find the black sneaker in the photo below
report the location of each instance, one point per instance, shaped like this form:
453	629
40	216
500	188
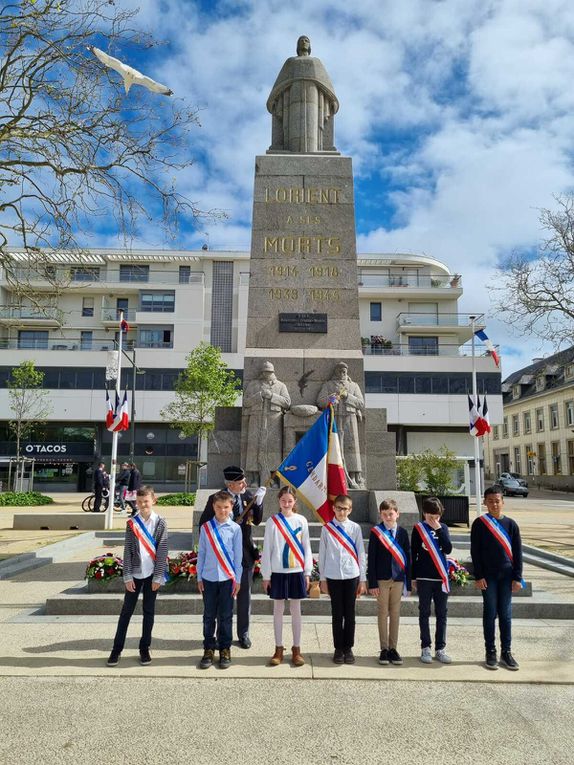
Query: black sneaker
508	660
207	659
349	656
384	656
395	657
113	659
339	656
245	642
224	658
491	660
145	658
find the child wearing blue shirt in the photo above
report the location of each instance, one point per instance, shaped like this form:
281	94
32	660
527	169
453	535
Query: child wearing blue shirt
219	572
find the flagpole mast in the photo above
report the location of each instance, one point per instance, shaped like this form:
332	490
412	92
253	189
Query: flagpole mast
110	508
477	490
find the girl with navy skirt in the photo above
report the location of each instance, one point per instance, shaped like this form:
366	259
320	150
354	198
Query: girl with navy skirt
286	565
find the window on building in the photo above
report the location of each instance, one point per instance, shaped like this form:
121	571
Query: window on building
130	272
570	451
495	432
530	459
184	274
539	414
505	427
157	302
517	462
556	458
376	312
122	305
526	424
33	338
88	306
423	346
569	413
86	339
156	337
540	382
553	413
516	389
569	371
85	274
541	451
515	426
222	305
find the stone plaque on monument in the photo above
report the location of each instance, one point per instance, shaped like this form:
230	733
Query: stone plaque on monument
303	322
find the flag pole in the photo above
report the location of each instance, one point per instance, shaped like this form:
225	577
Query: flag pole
477	490
110	508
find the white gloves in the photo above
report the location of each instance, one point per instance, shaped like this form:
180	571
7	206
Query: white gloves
260	494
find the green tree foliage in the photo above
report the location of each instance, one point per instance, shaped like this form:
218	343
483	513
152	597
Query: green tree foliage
409	473
29	404
433	470
199	389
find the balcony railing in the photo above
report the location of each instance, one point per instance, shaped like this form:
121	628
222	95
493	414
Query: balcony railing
439	320
64	344
64	277
113	314
444	349
420	281
47	313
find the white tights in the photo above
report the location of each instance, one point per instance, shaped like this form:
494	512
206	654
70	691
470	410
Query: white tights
295	609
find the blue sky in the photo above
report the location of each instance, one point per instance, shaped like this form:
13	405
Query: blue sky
458	114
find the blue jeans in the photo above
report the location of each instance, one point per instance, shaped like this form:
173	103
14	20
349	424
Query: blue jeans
497	601
217	613
429	591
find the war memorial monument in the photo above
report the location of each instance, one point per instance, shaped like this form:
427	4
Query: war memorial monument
303	338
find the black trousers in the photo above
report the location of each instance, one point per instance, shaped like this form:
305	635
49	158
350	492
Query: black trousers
130	600
432	591
343	594
244	602
97	499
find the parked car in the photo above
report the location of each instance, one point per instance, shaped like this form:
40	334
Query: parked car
511	487
522	481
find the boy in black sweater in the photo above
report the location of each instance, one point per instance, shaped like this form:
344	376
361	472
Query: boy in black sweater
388	574
430	544
496	551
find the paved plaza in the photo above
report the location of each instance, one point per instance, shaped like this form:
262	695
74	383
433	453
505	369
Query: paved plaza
60	703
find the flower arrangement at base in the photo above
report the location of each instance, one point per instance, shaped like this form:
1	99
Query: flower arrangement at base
457	573
182	567
105	567
257	569
315	576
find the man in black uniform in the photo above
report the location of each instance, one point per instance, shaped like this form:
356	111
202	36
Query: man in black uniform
99	486
236	485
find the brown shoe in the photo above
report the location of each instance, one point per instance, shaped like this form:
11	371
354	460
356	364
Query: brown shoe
277	657
296	657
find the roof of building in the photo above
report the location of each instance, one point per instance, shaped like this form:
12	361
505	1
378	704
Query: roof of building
551	367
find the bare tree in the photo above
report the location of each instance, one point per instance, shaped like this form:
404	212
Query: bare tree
536	295
29	404
75	149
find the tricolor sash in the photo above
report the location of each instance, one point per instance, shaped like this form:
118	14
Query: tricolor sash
391	545
437	555
147	540
501	535
338	533
290	538
220	550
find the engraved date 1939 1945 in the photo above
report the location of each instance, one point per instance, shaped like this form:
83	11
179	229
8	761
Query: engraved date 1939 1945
321	294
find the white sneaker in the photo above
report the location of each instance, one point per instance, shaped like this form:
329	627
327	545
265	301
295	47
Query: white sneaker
442	656
426	656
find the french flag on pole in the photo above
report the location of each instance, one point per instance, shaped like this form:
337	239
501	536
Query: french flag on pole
481	334
314	468
121	418
477	423
109	412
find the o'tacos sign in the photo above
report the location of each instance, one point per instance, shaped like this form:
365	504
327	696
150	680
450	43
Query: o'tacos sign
32	449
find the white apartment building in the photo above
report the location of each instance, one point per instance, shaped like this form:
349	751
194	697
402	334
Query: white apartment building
415	341
536	437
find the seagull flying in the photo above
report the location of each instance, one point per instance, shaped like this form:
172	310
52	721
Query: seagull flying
130	76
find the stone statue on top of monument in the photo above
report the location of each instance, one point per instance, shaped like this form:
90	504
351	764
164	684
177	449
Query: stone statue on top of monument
303	104
264	403
349	408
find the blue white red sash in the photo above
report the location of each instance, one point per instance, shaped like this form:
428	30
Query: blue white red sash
290	538
391	545
145	538
220	550
338	533
499	533
437	555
